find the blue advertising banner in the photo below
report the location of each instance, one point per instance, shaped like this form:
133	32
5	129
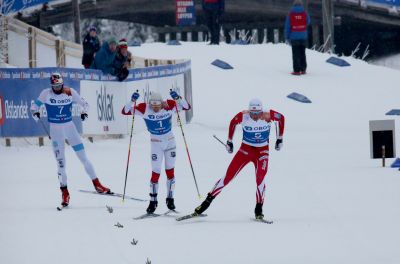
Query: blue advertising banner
386	2
185	13
19	87
18	90
13	6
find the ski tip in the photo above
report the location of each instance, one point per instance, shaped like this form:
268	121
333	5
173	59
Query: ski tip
60	208
264	221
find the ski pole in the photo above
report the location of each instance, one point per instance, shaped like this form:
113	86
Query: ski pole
129	150
187	149
219	140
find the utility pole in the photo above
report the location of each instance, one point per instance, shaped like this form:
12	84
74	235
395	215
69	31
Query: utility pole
77	21
328	25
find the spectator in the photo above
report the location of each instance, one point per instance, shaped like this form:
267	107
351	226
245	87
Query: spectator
296	34
91	45
122	60
104	59
213	10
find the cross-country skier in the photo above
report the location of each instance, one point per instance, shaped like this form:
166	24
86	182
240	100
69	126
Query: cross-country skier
58	102
256	125
157	115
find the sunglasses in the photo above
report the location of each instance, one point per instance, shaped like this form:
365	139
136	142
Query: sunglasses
57	86
155	103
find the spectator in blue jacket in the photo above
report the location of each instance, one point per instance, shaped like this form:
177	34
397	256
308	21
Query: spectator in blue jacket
296	34
104	59
213	10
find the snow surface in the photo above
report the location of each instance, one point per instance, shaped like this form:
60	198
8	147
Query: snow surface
329	201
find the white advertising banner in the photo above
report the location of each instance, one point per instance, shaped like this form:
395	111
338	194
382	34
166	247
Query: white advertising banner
105	100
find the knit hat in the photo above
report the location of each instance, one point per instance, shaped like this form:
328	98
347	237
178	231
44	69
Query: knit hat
112	40
155	98
92	28
123	43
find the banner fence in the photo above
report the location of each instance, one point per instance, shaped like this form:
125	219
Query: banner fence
19	87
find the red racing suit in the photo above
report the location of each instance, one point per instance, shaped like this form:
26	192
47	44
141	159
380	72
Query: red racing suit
254	148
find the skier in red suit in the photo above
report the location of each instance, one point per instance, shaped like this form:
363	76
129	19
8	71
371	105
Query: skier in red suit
256	125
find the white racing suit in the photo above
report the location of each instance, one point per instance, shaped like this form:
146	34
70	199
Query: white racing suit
163	145
59	114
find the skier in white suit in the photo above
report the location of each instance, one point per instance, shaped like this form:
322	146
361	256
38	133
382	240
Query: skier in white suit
158	114
58	102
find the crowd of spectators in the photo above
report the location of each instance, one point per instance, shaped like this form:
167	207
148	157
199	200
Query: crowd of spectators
112	57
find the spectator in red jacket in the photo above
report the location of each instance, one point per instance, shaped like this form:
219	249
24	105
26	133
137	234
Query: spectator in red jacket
296	34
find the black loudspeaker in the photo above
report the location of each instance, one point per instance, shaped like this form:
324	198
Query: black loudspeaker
382	138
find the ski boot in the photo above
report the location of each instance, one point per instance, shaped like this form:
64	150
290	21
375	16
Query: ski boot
204	205
152	207
64	196
170	203
258	211
100	188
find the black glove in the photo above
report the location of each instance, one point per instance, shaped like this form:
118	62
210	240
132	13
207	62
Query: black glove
122	74
84	116
36	115
229	146
278	144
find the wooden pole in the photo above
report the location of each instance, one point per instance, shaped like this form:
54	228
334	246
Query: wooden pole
328	25
32	47
77	21
41	142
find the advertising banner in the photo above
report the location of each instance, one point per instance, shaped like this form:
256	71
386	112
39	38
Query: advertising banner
13	6
18	90
106	97
106	100
185	13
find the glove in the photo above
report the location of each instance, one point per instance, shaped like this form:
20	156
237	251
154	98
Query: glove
278	144
174	95
229	146
84	116
36	116
135	96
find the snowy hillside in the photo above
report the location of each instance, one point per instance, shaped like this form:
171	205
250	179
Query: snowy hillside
329	201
